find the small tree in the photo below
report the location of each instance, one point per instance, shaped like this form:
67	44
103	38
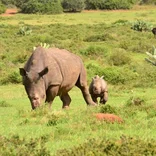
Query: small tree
73	5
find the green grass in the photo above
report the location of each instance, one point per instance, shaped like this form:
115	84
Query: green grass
96	37
68	128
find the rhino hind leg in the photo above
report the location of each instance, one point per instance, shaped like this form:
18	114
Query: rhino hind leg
66	100
85	93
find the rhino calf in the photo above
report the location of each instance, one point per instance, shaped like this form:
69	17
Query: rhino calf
54	72
98	88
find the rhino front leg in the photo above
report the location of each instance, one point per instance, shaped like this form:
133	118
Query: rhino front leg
51	93
66	100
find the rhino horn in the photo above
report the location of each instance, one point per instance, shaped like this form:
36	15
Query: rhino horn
43	72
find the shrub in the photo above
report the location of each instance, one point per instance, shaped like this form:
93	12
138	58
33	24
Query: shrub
73	5
140	25
42	7
99	38
135	101
119	57
148	2
107	109
2	8
107	4
21	146
124	146
94	50
24	30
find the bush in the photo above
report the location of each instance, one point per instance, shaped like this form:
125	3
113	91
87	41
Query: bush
73	5
119	58
107	4
124	146
135	101
140	25
2	8
22	146
148	2
42	7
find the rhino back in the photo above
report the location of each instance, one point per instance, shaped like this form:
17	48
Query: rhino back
70	65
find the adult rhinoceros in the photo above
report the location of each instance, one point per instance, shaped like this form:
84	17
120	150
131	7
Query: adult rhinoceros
53	72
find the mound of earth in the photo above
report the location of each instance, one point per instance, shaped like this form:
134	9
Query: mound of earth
109	117
9	12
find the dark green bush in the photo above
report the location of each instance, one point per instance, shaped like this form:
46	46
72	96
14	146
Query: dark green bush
8	2
42	7
2	8
101	147
73	5
148	2
107	4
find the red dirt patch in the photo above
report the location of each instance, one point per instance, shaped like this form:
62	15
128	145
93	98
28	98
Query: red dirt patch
10	12
108	117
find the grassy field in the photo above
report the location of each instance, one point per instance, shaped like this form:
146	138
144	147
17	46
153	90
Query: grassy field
108	46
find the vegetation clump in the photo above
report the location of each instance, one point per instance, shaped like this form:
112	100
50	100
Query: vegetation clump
73	5
107	109
2	8
141	25
15	145
135	101
42	7
124	146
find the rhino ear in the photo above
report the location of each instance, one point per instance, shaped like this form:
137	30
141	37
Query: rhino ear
102	77
22	71
43	72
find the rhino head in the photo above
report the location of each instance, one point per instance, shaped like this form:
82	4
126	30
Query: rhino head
34	85
100	88
97	88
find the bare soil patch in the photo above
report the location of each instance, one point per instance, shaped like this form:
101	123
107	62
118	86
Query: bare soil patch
10	12
109	117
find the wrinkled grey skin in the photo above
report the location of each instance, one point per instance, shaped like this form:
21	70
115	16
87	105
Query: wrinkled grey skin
98	88
53	72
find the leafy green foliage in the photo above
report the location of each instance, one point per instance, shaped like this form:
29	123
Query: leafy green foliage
135	101
124	146
107	4
73	5
147	2
141	25
21	146
24	30
119	58
42	6
2	8
107	109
